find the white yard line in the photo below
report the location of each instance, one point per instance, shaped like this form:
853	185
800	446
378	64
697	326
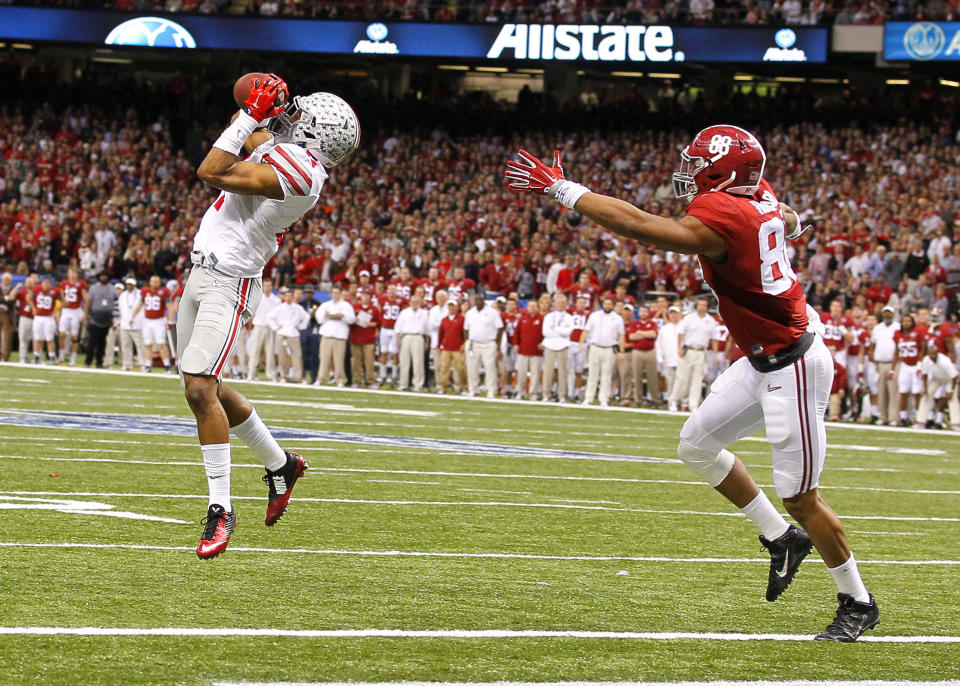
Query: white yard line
222	632
463	555
460	503
674	482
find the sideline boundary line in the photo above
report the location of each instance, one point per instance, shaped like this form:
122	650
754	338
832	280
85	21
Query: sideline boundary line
465	555
225	632
765	682
433	396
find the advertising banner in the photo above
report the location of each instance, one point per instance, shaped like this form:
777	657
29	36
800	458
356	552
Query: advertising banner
924	41
615	44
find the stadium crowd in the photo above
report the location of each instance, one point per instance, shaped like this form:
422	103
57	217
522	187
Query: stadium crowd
418	270
697	12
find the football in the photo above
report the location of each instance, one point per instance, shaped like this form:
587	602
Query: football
241	89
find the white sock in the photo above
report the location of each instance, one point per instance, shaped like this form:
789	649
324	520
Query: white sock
256	435
764	515
847	578
166	362
73	357
216	464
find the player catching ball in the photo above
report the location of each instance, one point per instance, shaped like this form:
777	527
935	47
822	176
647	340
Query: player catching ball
261	196
738	228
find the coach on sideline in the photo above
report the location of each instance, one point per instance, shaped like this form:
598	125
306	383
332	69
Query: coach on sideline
605	336
694	334
557	327
412	328
484	330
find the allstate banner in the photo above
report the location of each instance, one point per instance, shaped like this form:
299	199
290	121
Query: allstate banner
925	41
519	42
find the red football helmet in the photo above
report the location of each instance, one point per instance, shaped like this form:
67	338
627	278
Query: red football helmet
720	158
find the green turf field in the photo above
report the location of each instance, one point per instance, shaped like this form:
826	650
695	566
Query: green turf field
388	532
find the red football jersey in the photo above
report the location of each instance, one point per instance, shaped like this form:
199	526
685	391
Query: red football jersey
591	293
943	332
861	339
72	293
154	302
760	297
458	289
404	288
430	289
510	323
834	329
909	346
579	323
390	310
43	303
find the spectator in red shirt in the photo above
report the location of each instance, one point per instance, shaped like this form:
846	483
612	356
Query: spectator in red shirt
450	345
528	337
363	339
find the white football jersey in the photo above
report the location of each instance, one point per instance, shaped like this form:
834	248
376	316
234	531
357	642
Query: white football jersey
240	233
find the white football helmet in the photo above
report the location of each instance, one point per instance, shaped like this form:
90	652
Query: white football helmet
323	123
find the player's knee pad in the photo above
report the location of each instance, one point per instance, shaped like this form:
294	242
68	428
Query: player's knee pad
195	360
710	465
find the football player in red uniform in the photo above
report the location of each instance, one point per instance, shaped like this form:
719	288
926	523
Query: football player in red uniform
74	290
739	230
910	348
390	306
404	284
157	318
44	300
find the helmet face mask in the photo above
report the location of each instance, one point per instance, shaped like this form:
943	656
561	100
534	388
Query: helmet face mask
322	123
720	158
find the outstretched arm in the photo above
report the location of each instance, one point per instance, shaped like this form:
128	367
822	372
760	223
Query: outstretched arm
688	235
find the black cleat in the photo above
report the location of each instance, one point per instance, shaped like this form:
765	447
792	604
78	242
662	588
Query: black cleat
852	620
786	554
281	484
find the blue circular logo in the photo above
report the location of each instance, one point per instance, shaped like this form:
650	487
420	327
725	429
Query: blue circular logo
785	38
151	32
377	32
924	40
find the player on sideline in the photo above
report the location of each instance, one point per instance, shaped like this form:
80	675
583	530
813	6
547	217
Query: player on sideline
263	195
738	228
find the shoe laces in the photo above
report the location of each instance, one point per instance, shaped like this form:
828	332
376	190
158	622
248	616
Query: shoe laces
211	521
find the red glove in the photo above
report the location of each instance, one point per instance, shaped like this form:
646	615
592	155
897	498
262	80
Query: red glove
533	176
267	98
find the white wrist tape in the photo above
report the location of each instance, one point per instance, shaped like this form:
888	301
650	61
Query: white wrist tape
567	192
234	136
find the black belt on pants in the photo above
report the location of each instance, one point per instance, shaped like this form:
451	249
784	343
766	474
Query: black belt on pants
784	358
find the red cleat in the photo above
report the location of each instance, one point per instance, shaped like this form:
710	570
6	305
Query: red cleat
218	526
281	484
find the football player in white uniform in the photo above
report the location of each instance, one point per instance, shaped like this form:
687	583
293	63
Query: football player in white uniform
261	196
